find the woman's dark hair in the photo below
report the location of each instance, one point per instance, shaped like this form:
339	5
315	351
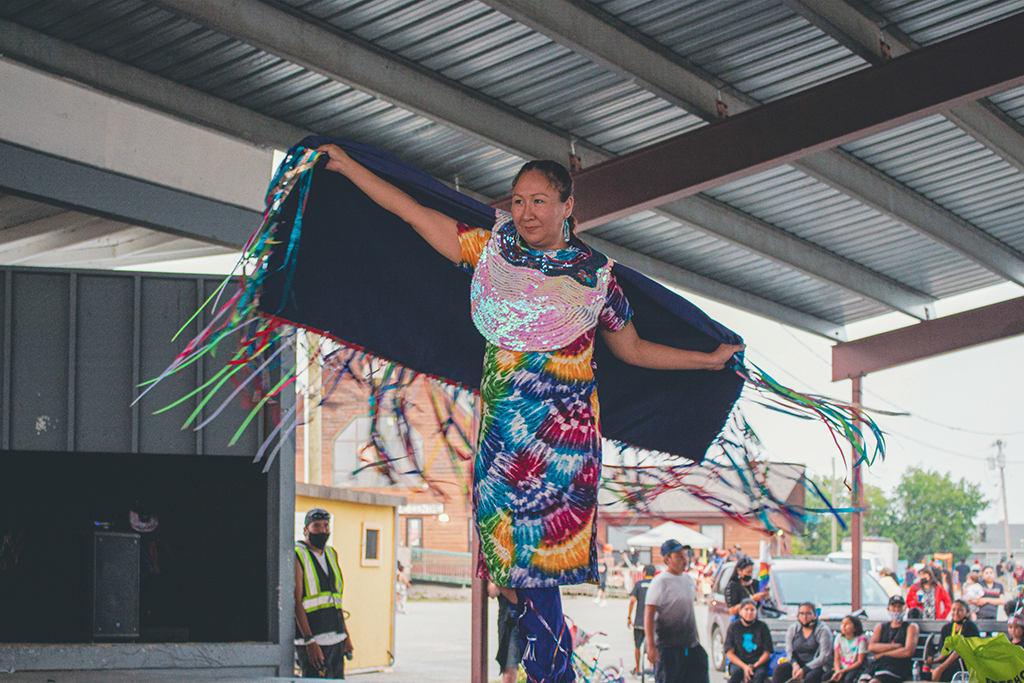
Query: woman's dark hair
858	625
747	601
743	563
557	175
814	608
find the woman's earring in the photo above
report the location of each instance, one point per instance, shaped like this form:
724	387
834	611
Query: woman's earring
566	232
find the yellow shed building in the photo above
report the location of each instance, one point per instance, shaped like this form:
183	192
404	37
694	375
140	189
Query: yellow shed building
363	534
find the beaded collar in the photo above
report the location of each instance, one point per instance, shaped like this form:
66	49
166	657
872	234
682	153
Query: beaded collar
523	299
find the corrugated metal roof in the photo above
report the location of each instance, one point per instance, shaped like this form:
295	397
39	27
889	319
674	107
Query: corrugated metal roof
815	212
760	49
940	161
931	21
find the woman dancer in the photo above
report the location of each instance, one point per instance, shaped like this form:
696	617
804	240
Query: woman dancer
538	296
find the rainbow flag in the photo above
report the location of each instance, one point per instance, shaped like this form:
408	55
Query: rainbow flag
766	564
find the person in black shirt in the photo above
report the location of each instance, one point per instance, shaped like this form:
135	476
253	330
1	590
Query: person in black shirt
748	646
961	571
893	644
638	599
943	669
741	586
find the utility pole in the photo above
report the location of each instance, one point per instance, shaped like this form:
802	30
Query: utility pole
835	523
1001	461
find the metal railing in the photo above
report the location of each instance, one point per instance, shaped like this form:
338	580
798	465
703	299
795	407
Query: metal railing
442	566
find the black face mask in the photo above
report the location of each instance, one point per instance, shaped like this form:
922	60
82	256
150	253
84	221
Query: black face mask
746	579
318	541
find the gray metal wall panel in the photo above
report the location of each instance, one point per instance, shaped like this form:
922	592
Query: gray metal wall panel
103	364
5	359
39	361
218	433
74	345
167	304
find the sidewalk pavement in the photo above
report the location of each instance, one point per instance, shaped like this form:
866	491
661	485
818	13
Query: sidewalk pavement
433	638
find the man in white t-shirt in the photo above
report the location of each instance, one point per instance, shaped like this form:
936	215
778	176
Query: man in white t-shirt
671	629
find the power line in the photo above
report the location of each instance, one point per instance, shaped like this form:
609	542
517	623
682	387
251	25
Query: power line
909	413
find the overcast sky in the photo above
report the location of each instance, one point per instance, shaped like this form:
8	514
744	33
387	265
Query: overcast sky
959	404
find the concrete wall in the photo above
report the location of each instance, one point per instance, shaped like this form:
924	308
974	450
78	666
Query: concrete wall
68	120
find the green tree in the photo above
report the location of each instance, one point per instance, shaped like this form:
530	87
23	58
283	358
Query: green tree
817	536
929	513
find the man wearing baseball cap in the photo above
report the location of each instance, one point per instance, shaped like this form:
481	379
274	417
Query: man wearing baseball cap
321	639
669	624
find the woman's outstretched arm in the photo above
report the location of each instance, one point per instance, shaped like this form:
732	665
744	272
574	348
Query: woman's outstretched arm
630	348
437	229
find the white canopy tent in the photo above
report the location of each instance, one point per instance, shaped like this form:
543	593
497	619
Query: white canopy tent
669	530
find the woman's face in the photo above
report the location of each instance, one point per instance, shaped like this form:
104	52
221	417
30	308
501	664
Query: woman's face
748	612
846	628
958	613
1015	632
538	212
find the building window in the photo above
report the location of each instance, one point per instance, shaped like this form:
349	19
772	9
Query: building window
351	452
715	532
370	556
414	532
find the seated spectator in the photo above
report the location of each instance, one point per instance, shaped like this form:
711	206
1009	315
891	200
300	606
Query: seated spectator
893	643
992	598
748	646
808	649
943	668
851	651
1015	629
972	591
929	595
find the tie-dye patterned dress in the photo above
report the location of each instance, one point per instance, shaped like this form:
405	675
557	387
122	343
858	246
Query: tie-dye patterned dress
538	463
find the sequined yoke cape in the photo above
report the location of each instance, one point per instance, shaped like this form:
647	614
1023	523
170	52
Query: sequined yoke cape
538	463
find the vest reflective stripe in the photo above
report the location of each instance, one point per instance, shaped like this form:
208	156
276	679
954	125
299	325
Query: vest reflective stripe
320	602
314	597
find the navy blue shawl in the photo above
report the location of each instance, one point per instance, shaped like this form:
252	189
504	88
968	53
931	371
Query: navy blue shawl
363	277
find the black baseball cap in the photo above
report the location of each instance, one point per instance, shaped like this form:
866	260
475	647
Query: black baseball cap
315	514
897	600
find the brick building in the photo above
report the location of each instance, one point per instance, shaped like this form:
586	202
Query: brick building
437	516
616	523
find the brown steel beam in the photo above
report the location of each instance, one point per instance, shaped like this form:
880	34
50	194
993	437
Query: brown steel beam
973	65
930	338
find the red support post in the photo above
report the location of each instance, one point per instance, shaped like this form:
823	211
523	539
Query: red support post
478	652
856	519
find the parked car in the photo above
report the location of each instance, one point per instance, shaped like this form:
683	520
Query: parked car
792	582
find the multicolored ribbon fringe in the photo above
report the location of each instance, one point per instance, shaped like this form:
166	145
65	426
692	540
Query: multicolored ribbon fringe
257	377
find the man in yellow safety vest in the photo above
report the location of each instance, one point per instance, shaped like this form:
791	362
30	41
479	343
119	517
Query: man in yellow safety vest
322	642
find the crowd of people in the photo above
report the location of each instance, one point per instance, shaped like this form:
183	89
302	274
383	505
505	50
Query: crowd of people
813	654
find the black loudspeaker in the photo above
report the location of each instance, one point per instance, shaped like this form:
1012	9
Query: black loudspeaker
114	608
